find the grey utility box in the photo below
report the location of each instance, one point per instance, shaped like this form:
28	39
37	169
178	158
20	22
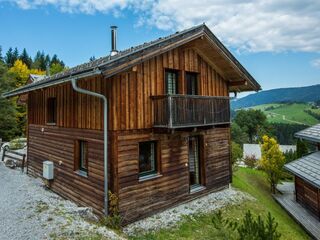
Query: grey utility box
48	170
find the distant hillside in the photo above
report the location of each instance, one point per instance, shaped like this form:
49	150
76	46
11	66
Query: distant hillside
298	94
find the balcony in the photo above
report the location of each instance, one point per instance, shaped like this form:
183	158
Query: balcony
182	111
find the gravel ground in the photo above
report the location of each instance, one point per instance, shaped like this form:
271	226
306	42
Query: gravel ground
171	217
29	211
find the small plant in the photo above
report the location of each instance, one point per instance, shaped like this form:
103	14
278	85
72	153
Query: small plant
249	228
250	161
114	219
17	143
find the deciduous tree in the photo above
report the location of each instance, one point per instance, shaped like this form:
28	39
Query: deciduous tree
272	161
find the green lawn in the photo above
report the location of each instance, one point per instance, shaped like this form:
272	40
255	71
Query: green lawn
247	180
288	113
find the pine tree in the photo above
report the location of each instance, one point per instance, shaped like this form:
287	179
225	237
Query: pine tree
8	125
56	60
1	58
39	61
10	57
25	58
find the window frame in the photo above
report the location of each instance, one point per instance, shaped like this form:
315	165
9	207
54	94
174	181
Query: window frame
51	111
81	157
175	71
156	171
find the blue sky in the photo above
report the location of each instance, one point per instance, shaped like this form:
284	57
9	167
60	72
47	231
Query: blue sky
280	48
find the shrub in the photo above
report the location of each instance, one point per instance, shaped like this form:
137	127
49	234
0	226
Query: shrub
236	153
17	143
114	219
249	228
250	161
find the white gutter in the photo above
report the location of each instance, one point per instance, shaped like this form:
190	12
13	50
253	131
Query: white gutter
105	136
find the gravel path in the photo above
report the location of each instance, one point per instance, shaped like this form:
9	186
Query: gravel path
29	211
171	217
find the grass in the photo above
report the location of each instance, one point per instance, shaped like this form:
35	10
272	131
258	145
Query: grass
288	113
250	181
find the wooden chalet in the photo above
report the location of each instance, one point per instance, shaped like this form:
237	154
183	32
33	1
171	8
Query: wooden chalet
307	173
167	134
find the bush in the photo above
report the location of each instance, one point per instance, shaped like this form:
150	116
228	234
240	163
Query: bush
236	153
250	161
249	228
17	143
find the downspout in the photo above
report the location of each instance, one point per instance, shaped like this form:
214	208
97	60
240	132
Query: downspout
105	136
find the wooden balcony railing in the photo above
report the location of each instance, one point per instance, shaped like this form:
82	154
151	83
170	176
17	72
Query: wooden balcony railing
181	111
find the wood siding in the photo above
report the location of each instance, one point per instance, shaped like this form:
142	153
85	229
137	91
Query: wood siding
141	198
129	93
308	196
130	119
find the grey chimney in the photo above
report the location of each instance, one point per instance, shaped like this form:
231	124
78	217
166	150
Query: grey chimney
114	50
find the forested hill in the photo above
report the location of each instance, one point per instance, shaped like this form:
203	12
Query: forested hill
298	94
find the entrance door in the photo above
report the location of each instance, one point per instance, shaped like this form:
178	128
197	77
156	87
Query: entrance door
194	162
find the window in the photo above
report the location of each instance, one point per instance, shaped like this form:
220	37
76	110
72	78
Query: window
147	158
52	110
81	157
171	81
192	83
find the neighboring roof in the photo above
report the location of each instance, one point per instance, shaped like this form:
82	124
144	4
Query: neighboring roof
311	134
138	52
36	78
307	168
255	149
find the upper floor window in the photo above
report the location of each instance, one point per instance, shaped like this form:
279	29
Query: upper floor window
147	158
192	83
171	81
52	110
81	157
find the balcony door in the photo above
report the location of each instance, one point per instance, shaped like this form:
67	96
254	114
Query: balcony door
194	162
192	83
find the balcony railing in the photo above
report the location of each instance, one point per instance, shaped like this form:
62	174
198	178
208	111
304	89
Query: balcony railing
181	111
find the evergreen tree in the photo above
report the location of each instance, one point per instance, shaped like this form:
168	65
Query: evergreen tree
11	57
8	125
25	58
302	148
39	61
56	60
1	58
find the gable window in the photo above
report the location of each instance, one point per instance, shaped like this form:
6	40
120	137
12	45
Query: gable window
192	83
147	158
171	81
81	157
52	110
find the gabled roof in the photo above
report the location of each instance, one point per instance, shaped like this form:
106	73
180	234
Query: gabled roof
139	54
307	168
311	134
36	77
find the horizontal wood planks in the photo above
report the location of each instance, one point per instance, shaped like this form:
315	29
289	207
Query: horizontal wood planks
57	145
140	198
308	196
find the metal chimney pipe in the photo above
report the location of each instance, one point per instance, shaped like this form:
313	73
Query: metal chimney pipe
114	50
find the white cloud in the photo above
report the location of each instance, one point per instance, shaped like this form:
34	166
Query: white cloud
316	63
247	25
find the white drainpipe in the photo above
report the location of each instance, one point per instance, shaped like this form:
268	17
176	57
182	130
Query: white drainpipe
105	136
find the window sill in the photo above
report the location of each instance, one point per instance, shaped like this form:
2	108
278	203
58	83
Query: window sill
82	173
195	189
149	177
51	124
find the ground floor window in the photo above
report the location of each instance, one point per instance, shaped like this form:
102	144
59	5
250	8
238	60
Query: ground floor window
81	157
194	161
147	158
